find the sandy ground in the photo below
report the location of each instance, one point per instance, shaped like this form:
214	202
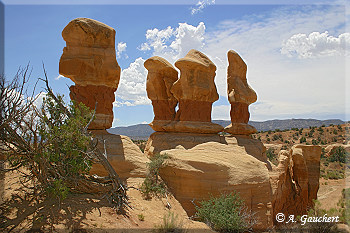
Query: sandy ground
87	213
330	192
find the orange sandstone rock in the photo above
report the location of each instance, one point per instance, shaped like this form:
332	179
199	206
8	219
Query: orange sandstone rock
240	95
295	181
204	164
161	77
89	60
195	91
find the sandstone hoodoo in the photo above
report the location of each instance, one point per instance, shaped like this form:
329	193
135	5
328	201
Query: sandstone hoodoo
196	92
89	60
161	77
240	96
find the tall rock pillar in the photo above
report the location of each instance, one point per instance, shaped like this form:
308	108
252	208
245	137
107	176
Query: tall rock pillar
240	96
89	60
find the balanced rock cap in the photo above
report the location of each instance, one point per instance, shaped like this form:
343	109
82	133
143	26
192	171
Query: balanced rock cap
87	32
159	63
196	58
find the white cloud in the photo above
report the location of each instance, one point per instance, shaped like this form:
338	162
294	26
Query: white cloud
59	77
173	44
200	6
132	86
121	48
316	44
39	99
291	86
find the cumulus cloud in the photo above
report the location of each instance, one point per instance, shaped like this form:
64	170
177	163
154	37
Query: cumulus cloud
200	6
132	86
316	44
174	43
121	48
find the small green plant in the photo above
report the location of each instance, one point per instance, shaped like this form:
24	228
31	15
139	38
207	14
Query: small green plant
302	139
270	153
153	184
226	213
170	223
141	217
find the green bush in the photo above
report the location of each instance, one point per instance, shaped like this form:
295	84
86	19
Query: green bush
270	153
302	139
153	184
339	155
226	213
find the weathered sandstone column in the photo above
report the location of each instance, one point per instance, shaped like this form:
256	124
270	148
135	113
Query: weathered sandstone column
295	181
161	77
196	92
240	95
89	60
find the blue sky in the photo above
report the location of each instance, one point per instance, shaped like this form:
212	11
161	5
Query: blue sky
295	53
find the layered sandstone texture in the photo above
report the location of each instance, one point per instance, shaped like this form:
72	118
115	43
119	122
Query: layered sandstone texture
89	60
125	157
295	181
195	91
240	95
204	164
160	78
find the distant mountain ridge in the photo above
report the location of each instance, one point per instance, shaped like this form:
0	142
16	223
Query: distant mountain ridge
143	131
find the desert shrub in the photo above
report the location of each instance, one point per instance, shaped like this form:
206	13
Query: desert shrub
314	142
226	213
170	223
153	184
270	153
339	155
334	174
302	139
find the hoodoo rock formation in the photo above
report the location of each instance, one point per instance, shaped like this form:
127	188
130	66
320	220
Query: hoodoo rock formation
89	60
161	77
295	181
240	96
196	91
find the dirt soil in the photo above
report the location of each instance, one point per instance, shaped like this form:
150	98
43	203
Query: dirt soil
88	213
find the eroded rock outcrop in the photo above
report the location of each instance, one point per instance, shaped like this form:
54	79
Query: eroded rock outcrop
204	164
195	92
240	96
161	77
295	181
89	60
125	157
